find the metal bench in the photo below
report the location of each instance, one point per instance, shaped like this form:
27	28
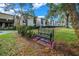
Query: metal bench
45	37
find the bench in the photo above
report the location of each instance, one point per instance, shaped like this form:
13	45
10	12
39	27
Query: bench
45	37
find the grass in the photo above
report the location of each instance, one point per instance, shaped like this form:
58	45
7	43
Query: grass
64	34
8	41
7	44
4	36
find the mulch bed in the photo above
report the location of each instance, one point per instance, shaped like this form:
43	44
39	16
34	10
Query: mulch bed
27	47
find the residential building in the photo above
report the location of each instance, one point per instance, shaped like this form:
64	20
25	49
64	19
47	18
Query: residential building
6	20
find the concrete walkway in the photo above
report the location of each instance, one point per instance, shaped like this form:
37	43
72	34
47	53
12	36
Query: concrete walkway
5	32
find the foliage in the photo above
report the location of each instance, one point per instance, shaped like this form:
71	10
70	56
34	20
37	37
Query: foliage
23	13
26	31
8	28
72	10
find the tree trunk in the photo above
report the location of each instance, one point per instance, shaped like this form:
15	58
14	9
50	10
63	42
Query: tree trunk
67	20
74	17
35	21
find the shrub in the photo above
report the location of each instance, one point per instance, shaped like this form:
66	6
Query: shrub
8	28
26	31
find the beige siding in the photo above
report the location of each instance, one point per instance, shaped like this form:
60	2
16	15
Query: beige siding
6	16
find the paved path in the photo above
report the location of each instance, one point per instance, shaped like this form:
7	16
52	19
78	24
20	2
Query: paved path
5	32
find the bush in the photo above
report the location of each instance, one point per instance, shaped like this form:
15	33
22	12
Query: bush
8	28
26	31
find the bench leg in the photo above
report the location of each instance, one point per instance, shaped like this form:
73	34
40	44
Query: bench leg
52	45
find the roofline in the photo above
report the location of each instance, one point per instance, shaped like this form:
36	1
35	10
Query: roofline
6	14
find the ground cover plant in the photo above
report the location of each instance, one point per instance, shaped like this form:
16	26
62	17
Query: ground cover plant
7	44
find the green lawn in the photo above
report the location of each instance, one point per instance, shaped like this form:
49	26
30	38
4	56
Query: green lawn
8	41
7	44
4	36
64	34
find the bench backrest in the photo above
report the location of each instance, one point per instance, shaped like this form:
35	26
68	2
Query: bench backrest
45	32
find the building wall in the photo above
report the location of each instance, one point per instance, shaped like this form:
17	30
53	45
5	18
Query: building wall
30	22
38	22
6	16
6	20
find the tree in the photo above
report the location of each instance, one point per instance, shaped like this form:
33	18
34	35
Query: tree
30	12
33	14
51	12
73	13
61	9
23	14
35	20
58	9
71	8
11	6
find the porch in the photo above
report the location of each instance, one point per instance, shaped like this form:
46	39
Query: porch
6	23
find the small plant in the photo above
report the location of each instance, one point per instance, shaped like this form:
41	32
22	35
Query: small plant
26	31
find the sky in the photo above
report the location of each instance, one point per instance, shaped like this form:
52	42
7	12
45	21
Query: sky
40	9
